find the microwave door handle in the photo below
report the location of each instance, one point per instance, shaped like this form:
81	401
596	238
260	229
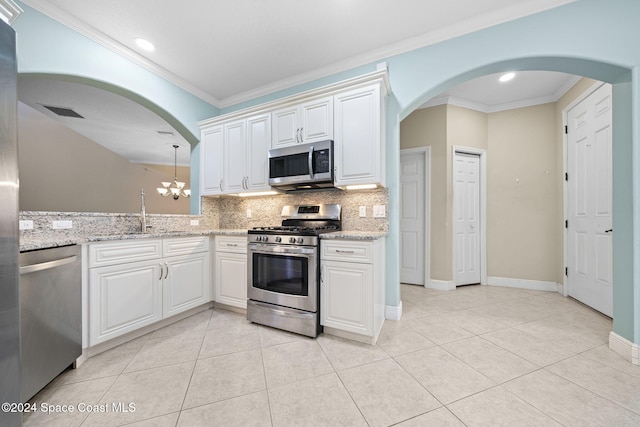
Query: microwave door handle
311	162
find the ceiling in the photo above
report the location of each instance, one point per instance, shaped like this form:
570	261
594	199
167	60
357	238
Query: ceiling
231	51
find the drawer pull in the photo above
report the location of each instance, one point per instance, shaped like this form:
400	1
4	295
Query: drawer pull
232	244
340	251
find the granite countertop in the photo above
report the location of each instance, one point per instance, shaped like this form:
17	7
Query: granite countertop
52	240
355	235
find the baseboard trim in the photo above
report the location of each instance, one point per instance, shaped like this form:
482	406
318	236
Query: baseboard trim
536	285
393	312
441	285
624	348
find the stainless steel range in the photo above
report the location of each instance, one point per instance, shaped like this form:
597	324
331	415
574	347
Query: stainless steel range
284	269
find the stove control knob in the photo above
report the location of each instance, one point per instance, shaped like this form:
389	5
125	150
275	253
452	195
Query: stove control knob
300	240
258	238
278	239
292	239
265	238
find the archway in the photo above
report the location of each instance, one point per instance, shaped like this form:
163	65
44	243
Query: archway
621	79
180	127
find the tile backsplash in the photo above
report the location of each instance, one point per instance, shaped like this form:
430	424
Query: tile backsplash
227	212
231	212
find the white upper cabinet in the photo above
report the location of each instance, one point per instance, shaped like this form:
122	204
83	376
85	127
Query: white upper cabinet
358	136
211	150
235	153
310	121
234	156
234	148
258	144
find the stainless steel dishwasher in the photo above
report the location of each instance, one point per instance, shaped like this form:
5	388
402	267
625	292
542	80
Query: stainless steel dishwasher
50	314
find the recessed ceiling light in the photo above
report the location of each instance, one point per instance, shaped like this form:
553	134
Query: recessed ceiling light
145	44
506	77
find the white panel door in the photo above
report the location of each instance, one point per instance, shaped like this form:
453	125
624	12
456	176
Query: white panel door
211	161
285	127
231	279
589	275
186	283
317	120
466	211
258	144
123	298
357	136
346	296
235	156
412	218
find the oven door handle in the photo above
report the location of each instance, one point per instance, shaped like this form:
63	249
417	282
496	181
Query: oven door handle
285	251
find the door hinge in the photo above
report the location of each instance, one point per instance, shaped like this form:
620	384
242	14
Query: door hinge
566	130
566	223
566	271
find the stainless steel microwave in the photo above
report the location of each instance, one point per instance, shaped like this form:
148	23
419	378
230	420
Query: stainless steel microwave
302	166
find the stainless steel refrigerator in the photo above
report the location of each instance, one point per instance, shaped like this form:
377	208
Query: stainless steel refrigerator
10	381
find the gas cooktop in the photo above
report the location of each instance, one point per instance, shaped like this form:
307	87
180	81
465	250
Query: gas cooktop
302	230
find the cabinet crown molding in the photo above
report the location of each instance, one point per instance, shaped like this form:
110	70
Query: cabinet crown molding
9	11
380	76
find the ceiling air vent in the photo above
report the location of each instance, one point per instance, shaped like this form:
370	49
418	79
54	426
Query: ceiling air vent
63	111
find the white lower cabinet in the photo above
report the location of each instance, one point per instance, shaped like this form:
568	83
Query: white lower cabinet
126	293
352	288
231	271
123	298
185	284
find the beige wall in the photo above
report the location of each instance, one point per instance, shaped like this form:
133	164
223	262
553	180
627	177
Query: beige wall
522	202
61	170
525	168
428	128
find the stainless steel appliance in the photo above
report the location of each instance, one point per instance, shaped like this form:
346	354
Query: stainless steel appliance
50	314
302	166
9	239
284	269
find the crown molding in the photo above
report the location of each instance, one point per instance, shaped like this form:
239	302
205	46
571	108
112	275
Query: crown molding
516	11
9	11
105	41
484	108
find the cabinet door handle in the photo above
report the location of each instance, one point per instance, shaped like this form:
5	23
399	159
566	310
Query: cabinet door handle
298	135
221	181
301	135
161	271
322	273
167	272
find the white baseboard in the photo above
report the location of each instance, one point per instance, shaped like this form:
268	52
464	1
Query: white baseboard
392	312
536	285
624	348
441	285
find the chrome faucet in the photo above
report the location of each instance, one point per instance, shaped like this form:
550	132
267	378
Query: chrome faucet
143	213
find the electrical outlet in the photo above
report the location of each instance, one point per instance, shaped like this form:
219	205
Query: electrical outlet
363	211
26	225
195	222
248	213
60	225
379	211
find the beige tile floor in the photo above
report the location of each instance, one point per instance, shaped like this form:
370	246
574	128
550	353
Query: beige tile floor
477	356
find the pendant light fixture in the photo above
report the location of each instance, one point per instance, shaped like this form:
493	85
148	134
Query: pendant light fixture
175	188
